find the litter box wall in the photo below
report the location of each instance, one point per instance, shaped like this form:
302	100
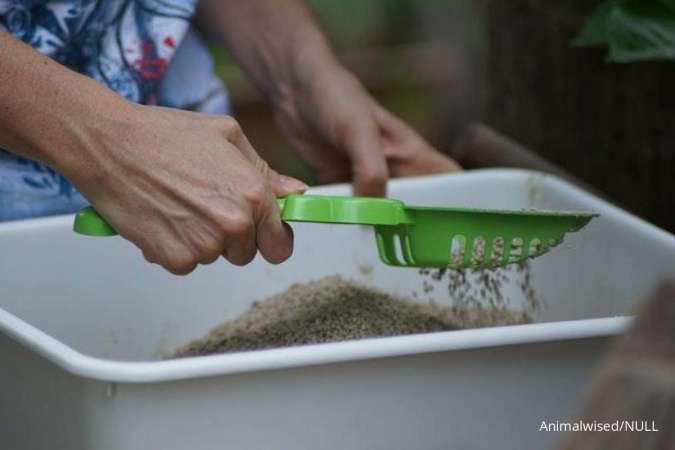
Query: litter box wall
479	399
85	320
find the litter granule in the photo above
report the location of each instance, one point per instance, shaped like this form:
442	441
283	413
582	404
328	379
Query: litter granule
334	309
484	288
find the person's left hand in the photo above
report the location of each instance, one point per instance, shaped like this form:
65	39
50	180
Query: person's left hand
345	135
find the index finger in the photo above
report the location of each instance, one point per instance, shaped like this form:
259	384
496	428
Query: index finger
368	163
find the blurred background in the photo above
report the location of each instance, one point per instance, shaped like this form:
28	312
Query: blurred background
497	83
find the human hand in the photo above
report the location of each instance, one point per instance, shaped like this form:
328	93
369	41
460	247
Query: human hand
185	188
182	186
344	134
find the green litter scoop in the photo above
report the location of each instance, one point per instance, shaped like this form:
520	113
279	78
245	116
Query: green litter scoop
416	236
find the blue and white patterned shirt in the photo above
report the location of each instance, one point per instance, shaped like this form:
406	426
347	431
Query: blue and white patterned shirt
126	45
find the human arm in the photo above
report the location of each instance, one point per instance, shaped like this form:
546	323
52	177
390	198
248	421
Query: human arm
324	111
184	187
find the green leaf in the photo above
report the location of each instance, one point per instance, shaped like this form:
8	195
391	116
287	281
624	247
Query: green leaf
594	31
634	30
640	30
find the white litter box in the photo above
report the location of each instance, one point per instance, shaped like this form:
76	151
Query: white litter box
85	321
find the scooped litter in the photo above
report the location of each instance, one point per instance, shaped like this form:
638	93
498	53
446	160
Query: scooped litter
333	309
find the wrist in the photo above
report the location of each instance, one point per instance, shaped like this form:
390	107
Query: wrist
91	129
48	109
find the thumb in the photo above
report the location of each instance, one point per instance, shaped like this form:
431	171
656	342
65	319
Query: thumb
283	185
369	165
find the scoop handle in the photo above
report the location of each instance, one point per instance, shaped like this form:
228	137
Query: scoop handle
90	223
294	208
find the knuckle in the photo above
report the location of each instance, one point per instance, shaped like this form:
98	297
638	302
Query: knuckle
228	122
180	264
149	255
210	253
231	127
151	258
243	259
257	194
262	168
237	223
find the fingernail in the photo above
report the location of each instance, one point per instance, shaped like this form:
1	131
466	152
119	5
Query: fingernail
292	184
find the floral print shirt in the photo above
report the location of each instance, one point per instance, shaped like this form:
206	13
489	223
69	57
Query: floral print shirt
125	45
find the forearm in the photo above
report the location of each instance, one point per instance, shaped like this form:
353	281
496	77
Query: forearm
46	109
277	42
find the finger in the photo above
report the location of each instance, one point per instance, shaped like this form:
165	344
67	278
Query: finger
273	237
206	242
281	185
178	260
369	167
240	245
209	257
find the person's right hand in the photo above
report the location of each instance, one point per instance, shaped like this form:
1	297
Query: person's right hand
185	188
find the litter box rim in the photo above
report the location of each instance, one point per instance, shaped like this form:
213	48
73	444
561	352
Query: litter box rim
108	370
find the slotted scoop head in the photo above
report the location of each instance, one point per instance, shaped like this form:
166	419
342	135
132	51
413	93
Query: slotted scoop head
421	236
472	238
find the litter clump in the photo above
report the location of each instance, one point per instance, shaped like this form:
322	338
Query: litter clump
333	309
